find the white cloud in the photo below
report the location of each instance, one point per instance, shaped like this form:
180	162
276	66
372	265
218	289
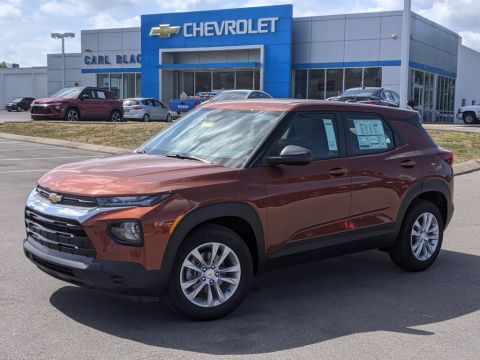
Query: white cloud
8	11
106	21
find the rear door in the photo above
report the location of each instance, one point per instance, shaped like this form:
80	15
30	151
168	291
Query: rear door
88	106
310	201
103	105
160	110
382	167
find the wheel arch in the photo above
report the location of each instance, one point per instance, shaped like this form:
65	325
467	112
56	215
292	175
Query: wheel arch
237	216
72	107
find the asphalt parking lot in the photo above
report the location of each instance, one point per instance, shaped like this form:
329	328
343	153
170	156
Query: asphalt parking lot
354	307
14	116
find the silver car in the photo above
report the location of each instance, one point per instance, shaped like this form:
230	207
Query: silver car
145	109
240	95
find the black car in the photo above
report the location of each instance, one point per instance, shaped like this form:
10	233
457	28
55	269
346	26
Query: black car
19	104
370	95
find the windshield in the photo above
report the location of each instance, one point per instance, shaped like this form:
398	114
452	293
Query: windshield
359	92
17	100
222	136
231	95
68	93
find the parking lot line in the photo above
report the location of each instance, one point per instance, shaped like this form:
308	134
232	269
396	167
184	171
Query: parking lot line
52	158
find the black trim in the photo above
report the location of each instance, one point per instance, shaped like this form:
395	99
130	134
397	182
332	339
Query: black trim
209	213
121	241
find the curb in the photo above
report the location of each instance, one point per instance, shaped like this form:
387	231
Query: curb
458	169
66	143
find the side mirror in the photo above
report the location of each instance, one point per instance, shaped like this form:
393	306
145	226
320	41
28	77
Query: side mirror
84	96
291	155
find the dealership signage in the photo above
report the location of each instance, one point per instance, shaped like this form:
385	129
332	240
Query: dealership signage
218	28
117	59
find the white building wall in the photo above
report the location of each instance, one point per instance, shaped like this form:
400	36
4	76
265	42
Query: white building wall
22	82
73	76
468	77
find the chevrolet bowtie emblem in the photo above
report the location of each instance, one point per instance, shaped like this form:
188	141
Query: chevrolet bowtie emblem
164	30
54	198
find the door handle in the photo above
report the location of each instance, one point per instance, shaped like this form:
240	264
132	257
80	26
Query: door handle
408	164
338	172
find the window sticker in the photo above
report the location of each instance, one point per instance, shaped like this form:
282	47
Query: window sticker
370	134
330	131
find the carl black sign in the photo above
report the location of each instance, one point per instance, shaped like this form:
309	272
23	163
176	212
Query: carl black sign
119	59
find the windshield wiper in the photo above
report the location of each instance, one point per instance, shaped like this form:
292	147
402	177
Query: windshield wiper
187	157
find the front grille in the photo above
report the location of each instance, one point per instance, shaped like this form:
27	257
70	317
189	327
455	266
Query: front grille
41	109
56	233
50	266
79	201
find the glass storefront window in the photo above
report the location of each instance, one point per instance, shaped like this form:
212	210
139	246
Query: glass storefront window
244	80
128	85
116	84
223	80
300	91
316	84
334	82
256	80
353	78
138	84
103	81
372	77
203	81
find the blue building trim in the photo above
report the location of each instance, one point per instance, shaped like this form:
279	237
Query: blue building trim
432	69
233	65
332	65
111	71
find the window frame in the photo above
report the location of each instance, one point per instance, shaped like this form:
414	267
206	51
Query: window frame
350	152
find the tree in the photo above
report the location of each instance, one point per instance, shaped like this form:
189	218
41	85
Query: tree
3	65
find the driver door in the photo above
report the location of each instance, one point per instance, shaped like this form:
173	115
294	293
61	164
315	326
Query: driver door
310	201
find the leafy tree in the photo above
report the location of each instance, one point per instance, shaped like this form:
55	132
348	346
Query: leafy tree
3	65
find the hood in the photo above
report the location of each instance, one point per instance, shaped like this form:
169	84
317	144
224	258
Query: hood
133	174
49	100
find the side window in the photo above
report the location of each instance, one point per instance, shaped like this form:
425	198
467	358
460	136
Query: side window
100	94
148	102
368	134
316	132
158	103
262	95
254	95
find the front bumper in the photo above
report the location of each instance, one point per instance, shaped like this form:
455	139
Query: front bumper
118	277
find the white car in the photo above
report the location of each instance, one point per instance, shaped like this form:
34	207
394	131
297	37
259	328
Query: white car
240	95
145	109
469	114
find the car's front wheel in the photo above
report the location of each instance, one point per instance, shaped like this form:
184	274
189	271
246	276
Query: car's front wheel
212	273
146	118
72	114
469	118
420	237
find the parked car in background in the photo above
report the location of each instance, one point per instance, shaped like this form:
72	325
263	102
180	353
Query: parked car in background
78	103
236	188
240	95
186	103
370	95
19	104
145	109
469	114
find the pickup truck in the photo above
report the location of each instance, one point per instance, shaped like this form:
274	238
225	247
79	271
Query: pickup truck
179	106
469	114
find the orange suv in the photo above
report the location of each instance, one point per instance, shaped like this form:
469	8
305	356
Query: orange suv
234	189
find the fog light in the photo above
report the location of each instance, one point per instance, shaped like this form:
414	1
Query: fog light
127	232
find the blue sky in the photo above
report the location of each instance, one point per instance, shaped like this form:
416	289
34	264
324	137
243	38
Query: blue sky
25	25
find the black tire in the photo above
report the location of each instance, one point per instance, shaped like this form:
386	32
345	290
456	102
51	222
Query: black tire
203	235
9	110
168	118
469	118
146	118
402	253
116	116
72	115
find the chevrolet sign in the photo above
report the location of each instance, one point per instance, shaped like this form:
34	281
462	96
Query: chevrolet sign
215	28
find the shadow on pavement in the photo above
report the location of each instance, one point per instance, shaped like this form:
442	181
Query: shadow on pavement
297	306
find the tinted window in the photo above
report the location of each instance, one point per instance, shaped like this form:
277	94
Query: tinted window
315	132
368	134
148	102
130	102
158	103
100	94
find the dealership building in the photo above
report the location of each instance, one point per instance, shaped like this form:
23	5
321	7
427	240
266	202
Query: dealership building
266	48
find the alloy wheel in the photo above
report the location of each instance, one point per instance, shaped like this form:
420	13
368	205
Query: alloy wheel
210	274
72	115
424	236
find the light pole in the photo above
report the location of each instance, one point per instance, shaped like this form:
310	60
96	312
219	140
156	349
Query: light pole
68	35
405	55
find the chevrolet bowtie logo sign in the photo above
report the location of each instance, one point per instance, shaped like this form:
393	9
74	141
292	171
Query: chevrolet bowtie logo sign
54	198
164	30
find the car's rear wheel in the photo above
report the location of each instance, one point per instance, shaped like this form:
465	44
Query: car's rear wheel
115	116
212	273
146	118
469	118
72	114
420	237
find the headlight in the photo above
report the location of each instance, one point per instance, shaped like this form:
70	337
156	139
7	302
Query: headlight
127	232
132	200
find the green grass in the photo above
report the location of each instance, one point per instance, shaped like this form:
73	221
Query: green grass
466	146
